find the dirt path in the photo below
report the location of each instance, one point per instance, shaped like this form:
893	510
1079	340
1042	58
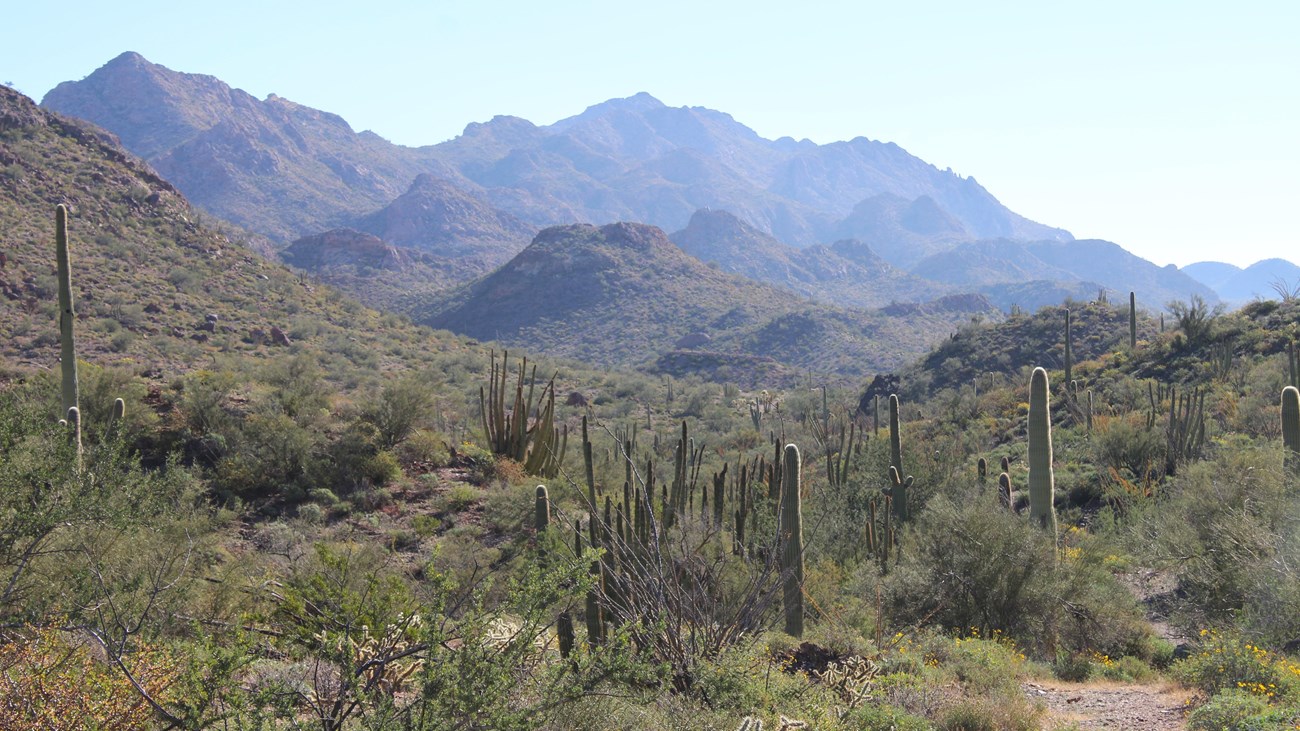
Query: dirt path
1150	707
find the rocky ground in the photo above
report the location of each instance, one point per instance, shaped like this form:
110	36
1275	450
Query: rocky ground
1146	707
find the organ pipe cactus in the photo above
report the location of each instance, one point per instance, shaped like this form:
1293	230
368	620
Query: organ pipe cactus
67	343
1291	427
1041	479
791	534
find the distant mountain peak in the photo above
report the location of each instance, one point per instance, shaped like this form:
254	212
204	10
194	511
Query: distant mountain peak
638	102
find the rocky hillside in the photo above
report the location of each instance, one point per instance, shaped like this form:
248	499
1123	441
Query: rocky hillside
155	289
623	294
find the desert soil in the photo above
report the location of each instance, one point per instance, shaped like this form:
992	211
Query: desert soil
1137	707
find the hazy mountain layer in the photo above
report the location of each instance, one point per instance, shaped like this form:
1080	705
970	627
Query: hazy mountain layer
287	170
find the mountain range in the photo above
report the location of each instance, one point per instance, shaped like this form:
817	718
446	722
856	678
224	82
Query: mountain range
1232	284
856	229
287	170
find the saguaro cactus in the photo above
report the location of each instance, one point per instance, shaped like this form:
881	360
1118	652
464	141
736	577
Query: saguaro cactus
895	435
791	533
1069	355
1291	427
1004	490
541	510
1042	483
68	346
1132	321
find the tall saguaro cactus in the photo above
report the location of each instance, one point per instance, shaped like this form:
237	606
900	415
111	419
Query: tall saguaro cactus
1042	483
791	533
1291	427
1132	321
895	435
1069	355
68	346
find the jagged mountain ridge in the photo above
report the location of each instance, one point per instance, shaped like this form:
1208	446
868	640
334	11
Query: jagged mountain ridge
273	166
287	170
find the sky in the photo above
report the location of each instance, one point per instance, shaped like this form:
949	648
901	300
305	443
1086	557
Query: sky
1171	128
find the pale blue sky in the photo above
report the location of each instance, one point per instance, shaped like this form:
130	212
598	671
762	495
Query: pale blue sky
1172	128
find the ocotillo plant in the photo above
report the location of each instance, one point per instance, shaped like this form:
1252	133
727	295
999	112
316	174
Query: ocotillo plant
1132	321
1291	427
1042	482
791	533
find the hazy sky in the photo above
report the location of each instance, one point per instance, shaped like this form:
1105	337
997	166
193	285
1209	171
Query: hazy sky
1172	128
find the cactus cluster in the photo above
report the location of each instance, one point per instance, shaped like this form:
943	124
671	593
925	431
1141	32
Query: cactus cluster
538	447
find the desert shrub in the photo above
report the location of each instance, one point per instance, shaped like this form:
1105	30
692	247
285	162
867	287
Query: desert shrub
399	408
425	448
1126	445
980	566
1238	710
1228	527
53	680
1227	661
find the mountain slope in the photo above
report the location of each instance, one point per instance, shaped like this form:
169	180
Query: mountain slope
845	273
436	217
1260	280
1077	267
155	289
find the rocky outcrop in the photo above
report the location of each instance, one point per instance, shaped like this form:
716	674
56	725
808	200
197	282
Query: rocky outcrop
345	247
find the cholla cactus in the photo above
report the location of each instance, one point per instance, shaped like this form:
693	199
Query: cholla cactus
851	679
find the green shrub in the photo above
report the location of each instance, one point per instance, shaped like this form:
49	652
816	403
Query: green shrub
980	566
1227	661
1233	710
